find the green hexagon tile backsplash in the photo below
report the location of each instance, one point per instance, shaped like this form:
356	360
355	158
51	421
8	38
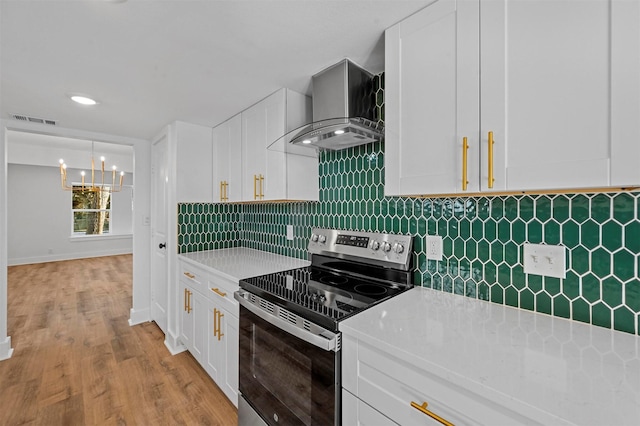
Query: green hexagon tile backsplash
482	237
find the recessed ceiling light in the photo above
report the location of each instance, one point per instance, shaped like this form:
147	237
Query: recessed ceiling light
83	100
306	141
339	132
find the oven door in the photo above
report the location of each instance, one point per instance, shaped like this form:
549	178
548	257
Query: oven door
288	375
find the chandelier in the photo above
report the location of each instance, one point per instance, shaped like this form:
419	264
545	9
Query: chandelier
94	187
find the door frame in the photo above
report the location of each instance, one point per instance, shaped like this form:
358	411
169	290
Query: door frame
140	311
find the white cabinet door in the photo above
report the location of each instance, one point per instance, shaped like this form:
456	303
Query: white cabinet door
273	171
552	83
227	162
431	100
222	349
193	149
187	317
254	147
199	314
228	378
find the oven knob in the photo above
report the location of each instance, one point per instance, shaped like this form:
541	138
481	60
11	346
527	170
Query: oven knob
386	246
399	248
322	239
375	245
314	238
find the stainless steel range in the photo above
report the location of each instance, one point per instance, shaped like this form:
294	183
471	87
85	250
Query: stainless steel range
290	366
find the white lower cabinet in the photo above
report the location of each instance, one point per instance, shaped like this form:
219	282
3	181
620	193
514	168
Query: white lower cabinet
192	331
222	344
355	412
209	325
409	394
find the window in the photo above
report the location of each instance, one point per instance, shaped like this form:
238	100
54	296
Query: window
91	211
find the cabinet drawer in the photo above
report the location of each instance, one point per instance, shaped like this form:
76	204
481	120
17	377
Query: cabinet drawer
391	385
220	291
355	412
193	276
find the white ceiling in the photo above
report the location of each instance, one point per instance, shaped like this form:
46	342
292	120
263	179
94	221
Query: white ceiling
152	62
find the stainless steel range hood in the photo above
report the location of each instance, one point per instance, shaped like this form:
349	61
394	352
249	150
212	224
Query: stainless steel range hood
344	110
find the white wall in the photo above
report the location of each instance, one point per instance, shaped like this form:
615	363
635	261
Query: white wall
39	212
141	211
5	339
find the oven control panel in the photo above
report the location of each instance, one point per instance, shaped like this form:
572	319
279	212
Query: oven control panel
390	250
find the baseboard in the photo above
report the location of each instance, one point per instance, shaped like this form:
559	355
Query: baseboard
5	349
174	344
139	316
66	256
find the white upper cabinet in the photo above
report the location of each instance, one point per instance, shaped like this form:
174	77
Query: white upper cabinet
227	161
558	80
431	99
558	92
191	144
273	171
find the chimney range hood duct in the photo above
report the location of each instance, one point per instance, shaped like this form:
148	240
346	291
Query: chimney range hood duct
343	110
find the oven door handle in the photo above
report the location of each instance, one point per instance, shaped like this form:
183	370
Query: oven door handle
319	337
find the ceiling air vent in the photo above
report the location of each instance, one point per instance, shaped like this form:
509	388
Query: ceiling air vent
21	117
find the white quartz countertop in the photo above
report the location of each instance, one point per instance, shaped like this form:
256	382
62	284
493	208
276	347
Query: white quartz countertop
553	370
241	262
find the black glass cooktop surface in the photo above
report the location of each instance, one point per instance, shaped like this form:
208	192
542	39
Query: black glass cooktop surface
322	295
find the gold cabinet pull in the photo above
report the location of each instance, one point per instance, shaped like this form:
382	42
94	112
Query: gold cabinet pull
190	275
490	180
465	149
255	187
189	304
218	292
423	409
215	325
261	187
223	190
217	317
220	334
185	299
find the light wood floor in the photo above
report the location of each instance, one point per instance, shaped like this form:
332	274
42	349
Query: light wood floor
76	360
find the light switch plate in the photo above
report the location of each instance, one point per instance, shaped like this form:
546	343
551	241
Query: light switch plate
545	260
289	232
434	247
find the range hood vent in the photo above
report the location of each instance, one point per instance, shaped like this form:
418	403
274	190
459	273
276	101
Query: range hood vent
344	110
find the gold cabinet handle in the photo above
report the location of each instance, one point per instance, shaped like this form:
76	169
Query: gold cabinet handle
189	309
226	190
423	409
185	299
261	187
215	322
217	317
218	292
190	275
490	157
220	334
255	187
221	190
465	149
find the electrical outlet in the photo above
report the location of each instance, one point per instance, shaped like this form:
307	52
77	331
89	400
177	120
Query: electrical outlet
289	232
545	260
434	247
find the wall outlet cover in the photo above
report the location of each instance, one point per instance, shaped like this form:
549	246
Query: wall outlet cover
434	247
545	260
289	232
